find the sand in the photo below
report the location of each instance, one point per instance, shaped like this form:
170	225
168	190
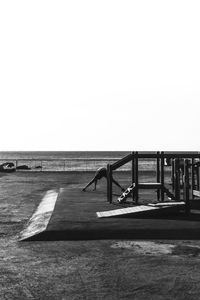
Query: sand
103	269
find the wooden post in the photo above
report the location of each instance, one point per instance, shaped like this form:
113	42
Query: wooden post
162	177
136	177
186	187
133	173
109	183
198	183
158	173
173	174
193	177
110	179
177	179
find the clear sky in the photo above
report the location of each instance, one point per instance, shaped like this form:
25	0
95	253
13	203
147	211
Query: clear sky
100	75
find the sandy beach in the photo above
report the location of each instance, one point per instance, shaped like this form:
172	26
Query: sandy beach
103	269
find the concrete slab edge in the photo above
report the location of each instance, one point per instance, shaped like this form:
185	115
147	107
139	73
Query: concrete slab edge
41	217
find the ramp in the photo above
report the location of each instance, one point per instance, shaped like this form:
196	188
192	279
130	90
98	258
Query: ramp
168	204
40	219
125	211
140	209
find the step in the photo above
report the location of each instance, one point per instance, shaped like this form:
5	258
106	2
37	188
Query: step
150	185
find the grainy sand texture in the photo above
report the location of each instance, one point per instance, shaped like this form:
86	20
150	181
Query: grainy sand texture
103	269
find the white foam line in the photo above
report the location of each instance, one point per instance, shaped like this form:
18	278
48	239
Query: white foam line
40	219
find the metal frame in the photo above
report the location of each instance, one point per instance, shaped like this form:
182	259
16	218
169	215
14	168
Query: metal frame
160	174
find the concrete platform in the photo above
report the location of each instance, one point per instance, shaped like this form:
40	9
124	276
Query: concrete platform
74	218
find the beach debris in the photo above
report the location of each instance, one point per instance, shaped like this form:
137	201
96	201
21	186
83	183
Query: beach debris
7	167
23	167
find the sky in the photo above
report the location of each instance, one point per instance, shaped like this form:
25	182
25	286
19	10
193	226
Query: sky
99	75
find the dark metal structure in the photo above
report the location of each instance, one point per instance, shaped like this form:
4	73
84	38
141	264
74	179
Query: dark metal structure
184	176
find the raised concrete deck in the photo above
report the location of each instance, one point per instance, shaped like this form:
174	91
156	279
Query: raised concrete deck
74	218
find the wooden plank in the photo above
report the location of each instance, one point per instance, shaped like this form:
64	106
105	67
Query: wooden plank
196	193
133	174
149	185
135	210
186	186
121	162
193	177
198	179
124	211
162	178
136	177
108	183
175	154
127	192
158	173
169	194
173	174
174	203
177	179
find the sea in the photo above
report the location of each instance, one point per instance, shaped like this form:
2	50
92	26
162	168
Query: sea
69	160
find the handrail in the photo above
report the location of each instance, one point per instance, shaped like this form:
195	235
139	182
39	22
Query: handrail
160	174
169	155
121	162
144	154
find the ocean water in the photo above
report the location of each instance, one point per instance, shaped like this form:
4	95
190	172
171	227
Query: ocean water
69	160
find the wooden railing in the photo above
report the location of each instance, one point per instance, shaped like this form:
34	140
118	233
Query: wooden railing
189	161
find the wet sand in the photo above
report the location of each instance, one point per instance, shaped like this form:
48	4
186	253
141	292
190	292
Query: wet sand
103	269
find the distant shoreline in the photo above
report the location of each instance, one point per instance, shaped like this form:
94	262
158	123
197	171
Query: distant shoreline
70	161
